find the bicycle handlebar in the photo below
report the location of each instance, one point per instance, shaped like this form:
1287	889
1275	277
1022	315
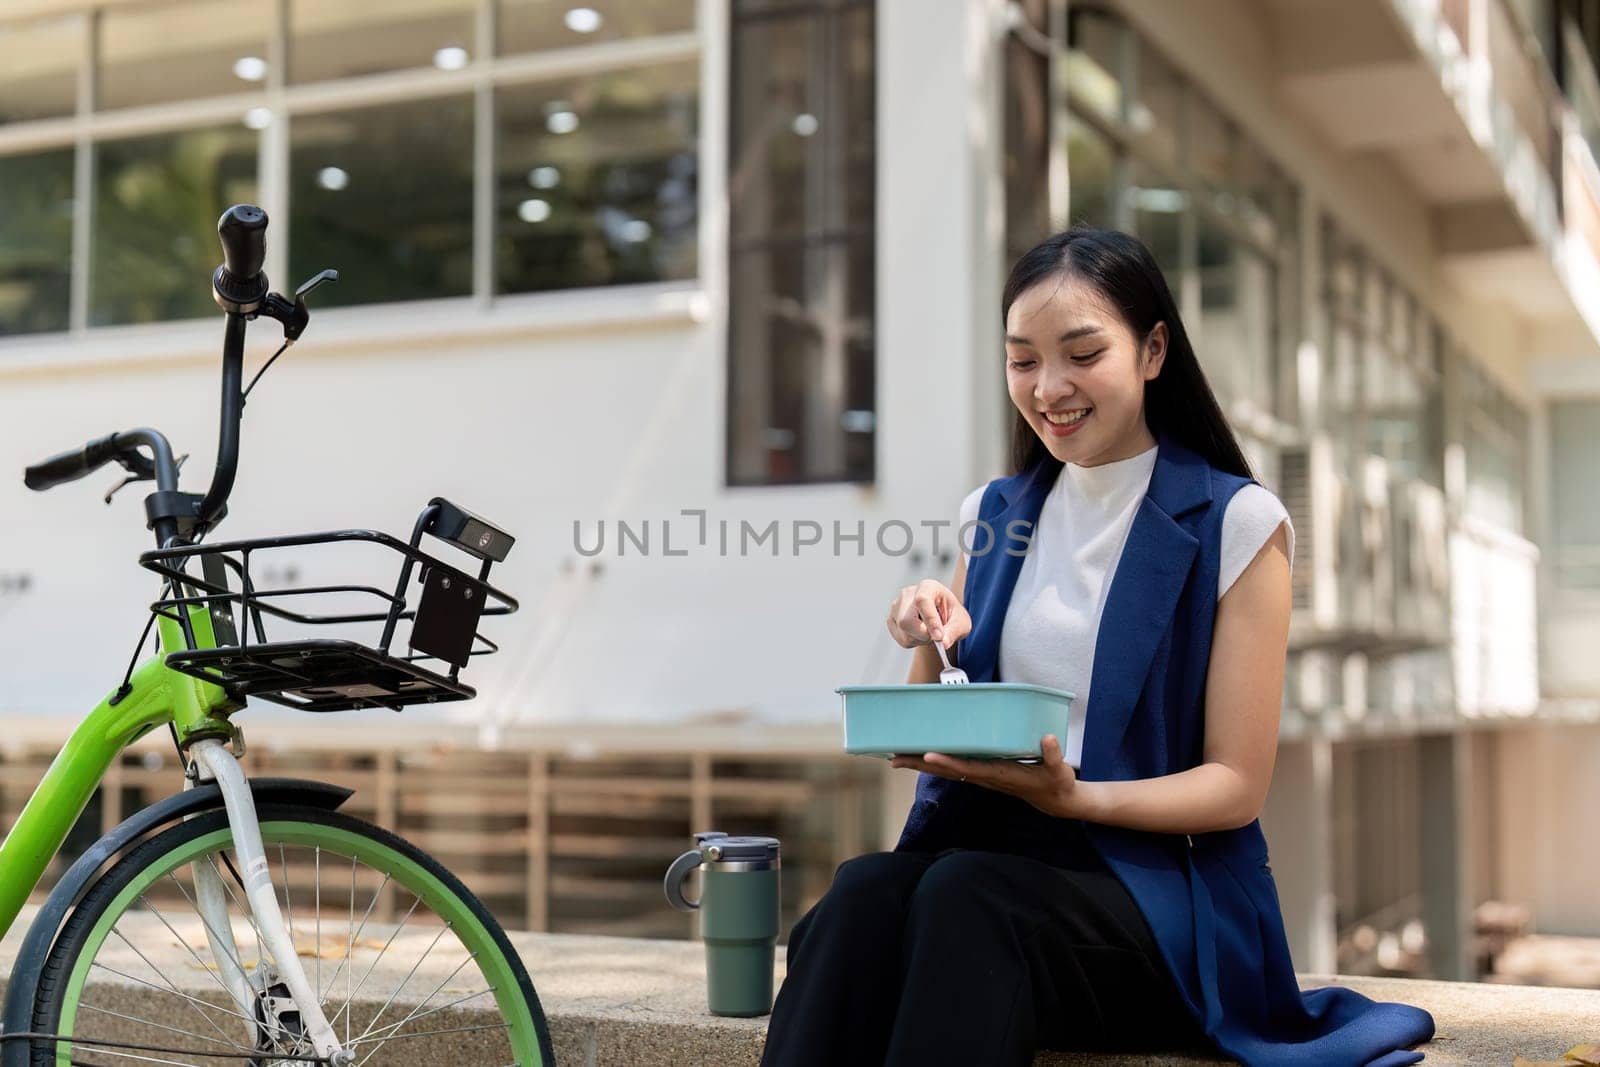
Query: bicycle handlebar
240	288
123	447
72	464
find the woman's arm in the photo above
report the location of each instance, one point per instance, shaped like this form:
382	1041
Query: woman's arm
1244	689
1244	692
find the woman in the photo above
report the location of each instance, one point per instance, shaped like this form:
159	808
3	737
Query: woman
1114	895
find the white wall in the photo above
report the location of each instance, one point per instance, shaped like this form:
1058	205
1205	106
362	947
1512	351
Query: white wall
585	406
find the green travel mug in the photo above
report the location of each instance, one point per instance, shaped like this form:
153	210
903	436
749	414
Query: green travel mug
738	908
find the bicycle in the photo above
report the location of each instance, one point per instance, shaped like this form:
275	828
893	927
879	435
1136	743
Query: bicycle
231	868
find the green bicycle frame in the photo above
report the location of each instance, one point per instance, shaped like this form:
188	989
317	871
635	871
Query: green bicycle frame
156	695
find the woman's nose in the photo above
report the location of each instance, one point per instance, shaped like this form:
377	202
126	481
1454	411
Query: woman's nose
1054	386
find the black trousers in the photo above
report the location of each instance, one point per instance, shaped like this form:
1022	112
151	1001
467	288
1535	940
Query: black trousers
973	957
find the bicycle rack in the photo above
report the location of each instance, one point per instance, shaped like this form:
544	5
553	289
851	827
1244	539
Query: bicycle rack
337	673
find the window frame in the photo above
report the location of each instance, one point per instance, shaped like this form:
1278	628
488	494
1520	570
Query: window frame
486	72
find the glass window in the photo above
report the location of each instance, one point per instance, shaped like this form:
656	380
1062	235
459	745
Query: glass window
384	194
1157	112
1091	175
181	51
356	37
1027	139
802	410
803	124
1096	63
598	180
157	200
39	68
1213	147
1575	506
801	174
1495	433
1238	316
535	25
35	241
1156	207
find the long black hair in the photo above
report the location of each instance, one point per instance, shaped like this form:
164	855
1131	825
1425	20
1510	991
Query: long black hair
1179	401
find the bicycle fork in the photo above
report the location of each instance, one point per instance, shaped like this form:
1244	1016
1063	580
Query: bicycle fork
217	763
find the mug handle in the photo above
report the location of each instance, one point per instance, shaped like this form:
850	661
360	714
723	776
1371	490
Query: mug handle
676	874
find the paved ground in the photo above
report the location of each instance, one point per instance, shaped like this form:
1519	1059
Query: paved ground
637	1002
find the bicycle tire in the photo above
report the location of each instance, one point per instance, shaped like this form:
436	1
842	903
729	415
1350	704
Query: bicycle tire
64	975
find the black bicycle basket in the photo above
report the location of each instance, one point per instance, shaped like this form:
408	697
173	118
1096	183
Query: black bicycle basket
339	651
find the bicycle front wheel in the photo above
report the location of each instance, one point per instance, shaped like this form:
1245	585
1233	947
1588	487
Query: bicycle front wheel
409	965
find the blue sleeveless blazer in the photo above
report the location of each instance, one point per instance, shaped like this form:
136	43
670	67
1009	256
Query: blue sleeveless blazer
1209	899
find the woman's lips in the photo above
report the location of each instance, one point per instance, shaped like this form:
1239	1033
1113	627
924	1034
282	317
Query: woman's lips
1057	430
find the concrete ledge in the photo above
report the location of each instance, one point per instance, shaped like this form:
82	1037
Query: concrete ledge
633	1002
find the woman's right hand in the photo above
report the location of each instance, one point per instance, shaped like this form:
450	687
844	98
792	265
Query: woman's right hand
928	612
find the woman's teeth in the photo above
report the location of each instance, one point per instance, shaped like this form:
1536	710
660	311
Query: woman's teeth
1066	418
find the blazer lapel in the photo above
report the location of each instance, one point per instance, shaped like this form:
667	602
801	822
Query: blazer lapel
1145	588
993	575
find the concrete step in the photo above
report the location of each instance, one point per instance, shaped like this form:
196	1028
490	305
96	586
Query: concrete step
634	1002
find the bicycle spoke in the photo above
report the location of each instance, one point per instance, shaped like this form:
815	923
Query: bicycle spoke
355	932
392	1027
193	954
172	986
361	984
85	1006
172	991
436	1033
134	1056
407	979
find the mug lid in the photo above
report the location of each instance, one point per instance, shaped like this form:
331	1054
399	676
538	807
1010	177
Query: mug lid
738	848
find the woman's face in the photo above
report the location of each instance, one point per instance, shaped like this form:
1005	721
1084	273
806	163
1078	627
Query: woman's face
1075	372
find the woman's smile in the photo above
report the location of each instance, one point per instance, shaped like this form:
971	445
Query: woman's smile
1063	423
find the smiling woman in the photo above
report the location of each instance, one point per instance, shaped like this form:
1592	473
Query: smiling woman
1115	894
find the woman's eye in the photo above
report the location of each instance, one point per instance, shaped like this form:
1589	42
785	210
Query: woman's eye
1090	358
1019	364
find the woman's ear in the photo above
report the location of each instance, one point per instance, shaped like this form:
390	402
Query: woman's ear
1155	351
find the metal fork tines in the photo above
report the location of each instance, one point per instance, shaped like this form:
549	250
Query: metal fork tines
950	675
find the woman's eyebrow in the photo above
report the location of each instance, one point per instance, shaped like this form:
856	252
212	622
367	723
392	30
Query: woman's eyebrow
1070	335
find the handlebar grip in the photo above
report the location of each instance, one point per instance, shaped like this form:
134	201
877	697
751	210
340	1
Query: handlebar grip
238	285
72	464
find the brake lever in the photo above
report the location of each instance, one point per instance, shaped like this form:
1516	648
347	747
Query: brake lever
140	469
295	316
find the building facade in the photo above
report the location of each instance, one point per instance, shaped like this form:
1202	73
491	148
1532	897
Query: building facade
700	300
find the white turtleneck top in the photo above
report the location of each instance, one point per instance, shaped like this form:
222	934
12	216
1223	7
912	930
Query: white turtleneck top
1048	637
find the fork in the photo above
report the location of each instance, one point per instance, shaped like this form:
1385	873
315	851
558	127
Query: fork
950	675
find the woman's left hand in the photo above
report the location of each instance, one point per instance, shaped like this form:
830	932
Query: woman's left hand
1050	785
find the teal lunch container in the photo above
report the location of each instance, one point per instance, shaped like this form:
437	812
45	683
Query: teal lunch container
738	908
996	720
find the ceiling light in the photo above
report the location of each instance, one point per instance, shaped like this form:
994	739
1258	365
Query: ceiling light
804	124
250	68
544	177
583	20
636	230
333	178
258	118
533	210
561	122
450	58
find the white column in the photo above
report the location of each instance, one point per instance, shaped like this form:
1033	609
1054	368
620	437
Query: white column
941	210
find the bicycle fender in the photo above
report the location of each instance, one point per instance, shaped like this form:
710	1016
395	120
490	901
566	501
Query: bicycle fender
25	970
